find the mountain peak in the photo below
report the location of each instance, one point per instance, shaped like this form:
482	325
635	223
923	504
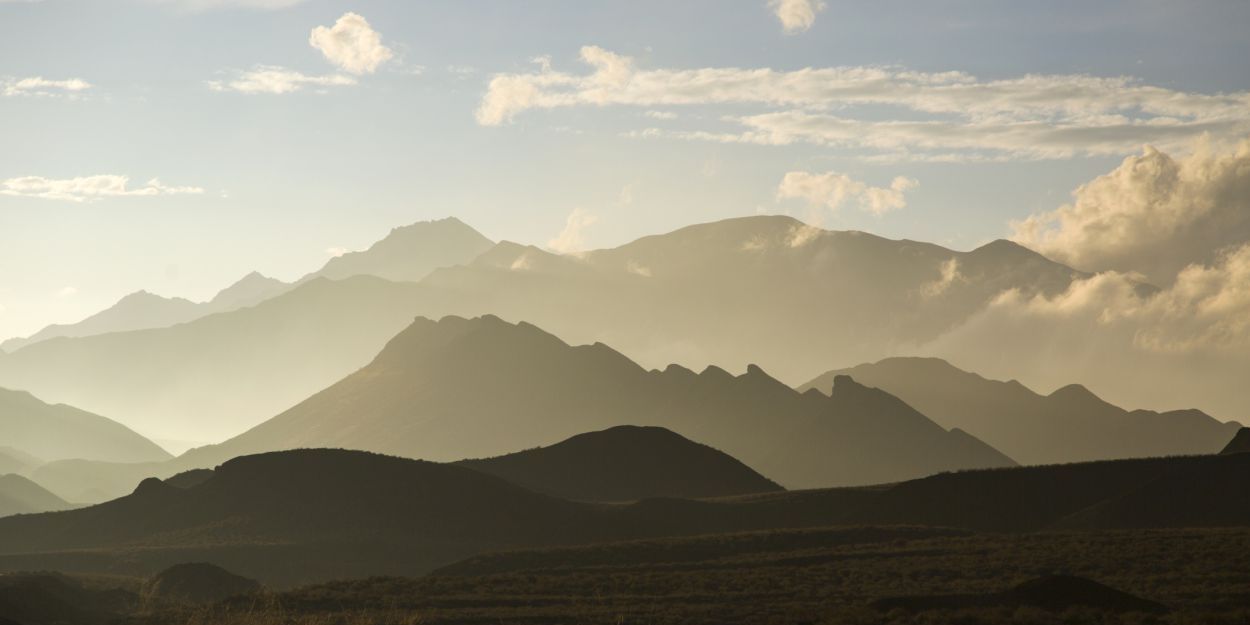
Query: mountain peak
1240	443
1075	392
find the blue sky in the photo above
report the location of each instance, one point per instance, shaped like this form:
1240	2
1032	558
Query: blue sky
271	181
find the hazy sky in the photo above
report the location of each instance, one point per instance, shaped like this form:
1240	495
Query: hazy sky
262	134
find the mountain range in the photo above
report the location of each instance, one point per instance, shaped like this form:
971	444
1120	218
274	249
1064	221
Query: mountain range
19	495
1069	425
768	290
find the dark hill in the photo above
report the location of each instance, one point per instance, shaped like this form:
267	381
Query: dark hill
196	582
1239	444
1071	424
48	598
1054	593
471	388
626	463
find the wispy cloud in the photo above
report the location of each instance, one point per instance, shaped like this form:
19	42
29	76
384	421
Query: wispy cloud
277	80
43	87
207	5
932	115
833	190
571	239
87	188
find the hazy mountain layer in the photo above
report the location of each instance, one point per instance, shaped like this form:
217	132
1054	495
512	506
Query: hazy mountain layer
626	463
42	432
142	310
217	375
1069	425
19	495
457	388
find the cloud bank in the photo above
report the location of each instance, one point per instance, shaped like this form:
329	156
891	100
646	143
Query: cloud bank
277	80
1153	215
43	87
87	188
944	115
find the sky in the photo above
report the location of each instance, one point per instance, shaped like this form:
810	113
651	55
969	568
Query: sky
176	145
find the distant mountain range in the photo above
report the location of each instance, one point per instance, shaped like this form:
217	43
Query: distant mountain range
457	388
768	290
142	310
34	432
309	515
626	463
1069	425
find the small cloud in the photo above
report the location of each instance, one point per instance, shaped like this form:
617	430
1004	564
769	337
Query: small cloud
522	263
638	270
796	15
661	114
67	292
351	44
273	79
208	5
39	86
570	240
87	188
832	189
626	196
948	275
336	251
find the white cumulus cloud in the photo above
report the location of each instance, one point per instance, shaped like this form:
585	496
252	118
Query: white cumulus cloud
1153	215
832	190
796	15
351	44
87	188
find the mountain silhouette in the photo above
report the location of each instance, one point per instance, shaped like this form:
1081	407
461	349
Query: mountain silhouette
17	461
1069	425
626	463
142	310
196	582
470	388
1239	444
19	495
410	253
48	432
767	290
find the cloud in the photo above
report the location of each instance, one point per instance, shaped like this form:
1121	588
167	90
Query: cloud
936	115
67	292
796	15
1153	215
833	189
949	275
87	188
277	80
351	44
570	240
336	251
43	87
665	115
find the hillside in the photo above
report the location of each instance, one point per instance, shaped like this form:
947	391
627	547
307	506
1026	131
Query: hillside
470	388
142	310
1069	425
1240	443
626	463
17	461
19	495
41	431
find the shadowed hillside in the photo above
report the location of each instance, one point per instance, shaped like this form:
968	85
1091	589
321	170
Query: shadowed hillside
1069	425
457	388
626	463
1240	443
40	432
